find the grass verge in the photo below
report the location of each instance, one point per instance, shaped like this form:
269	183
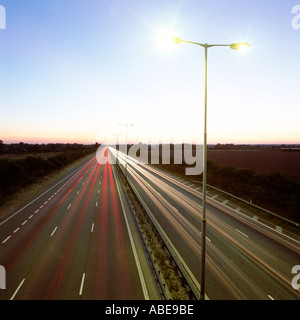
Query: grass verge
23	196
167	272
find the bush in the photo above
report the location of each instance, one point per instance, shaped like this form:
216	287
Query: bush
18	173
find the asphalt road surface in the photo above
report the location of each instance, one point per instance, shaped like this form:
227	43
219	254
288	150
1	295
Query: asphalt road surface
74	241
244	258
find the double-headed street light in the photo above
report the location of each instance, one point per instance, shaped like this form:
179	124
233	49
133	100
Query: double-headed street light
235	46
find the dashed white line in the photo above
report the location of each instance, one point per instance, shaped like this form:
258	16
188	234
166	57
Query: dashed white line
97	204
242	233
24	222
30	217
17	230
270	297
92	229
37	211
53	231
82	283
77	192
69	206
6	239
19	287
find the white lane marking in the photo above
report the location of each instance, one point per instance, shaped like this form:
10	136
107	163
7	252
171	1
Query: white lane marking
208	239
6	239
97	204
242	233
270	297
53	231
175	208
24	222
19	287
82	283
30	217
92	229
278	229
137	261
37	211
17	230
72	173
77	192
69	206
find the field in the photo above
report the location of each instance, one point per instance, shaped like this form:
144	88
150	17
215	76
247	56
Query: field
261	162
13	156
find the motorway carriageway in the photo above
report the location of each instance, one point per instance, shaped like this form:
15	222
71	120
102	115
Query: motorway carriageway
75	241
244	259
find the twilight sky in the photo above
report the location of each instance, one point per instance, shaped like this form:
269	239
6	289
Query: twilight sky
71	70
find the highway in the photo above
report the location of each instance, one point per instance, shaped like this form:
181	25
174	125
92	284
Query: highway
245	259
75	241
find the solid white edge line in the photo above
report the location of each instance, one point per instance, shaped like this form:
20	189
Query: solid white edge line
19	287
137	261
72	173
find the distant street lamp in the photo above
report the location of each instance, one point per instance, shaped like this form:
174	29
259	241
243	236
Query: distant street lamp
236	46
126	129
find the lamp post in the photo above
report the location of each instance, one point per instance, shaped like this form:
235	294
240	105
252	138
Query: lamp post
126	129
235	46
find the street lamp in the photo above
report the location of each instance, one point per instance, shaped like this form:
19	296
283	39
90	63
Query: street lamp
235	46
126	129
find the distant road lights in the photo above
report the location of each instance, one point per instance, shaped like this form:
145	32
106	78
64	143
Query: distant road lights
242	46
126	129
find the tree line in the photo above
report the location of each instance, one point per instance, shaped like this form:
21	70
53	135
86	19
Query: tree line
27	148
273	191
16	174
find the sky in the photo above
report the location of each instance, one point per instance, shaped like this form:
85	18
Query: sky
72	70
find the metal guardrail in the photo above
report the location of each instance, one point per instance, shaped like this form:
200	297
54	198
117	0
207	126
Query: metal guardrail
256	206
184	269
178	260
